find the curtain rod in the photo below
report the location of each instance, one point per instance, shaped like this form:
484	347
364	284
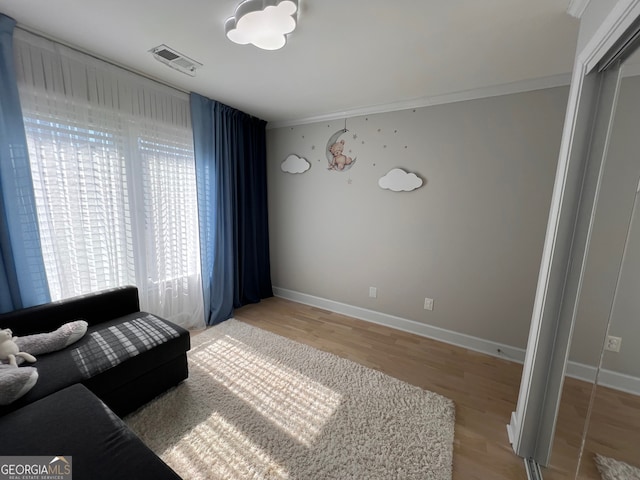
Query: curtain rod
38	33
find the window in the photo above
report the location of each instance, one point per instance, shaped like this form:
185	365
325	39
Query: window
80	186
114	180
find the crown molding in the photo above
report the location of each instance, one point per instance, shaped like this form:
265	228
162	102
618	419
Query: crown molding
577	7
483	92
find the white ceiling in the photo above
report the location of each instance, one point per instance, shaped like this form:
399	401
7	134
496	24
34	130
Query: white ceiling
345	55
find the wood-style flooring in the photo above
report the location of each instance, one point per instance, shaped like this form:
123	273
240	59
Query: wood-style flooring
484	389
613	430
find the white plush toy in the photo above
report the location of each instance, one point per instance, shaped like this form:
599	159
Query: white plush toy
16	382
40	343
9	349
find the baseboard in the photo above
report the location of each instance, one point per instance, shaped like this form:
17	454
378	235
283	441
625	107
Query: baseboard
411	326
608	378
512	428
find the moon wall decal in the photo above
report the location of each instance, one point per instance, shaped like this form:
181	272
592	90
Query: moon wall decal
338	161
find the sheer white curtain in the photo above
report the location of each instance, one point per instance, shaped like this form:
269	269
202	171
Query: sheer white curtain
114	178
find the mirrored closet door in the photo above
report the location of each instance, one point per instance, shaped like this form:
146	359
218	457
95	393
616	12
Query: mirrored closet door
597	434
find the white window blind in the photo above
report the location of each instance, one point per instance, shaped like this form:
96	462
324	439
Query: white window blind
114	179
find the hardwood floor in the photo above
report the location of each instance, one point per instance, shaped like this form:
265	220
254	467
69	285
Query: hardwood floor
484	388
613	430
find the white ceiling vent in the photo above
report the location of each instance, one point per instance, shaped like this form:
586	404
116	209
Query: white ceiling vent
176	60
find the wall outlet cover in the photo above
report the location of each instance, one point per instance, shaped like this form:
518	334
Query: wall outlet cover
613	343
428	304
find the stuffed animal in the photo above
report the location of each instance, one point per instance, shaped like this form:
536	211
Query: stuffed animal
15	382
339	160
64	336
40	343
9	350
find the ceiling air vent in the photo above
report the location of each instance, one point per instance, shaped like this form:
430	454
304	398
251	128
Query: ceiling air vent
175	60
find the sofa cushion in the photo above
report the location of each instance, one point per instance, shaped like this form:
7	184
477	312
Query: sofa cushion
109	346
74	422
134	344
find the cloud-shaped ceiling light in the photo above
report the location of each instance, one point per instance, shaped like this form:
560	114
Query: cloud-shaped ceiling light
295	164
263	23
400	181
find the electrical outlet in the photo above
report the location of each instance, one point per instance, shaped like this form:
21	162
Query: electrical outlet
373	292
428	303
613	343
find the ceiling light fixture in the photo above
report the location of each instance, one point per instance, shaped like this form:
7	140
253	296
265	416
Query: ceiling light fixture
262	23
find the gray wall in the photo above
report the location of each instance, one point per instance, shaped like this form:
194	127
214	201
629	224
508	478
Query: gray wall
613	214
471	238
625	320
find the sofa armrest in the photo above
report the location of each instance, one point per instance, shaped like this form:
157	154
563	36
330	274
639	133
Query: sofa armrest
76	422
93	307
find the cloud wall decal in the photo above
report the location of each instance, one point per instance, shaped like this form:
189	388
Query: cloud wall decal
263	23
295	164
400	181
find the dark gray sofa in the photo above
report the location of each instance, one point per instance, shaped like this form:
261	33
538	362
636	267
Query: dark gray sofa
75	423
126	358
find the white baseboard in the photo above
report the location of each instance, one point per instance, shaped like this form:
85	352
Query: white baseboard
608	378
447	336
512	428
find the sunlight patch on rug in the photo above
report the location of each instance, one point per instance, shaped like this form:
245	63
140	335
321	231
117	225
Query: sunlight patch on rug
217	449
295	403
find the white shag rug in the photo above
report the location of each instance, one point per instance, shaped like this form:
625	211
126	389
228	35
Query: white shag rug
260	406
611	469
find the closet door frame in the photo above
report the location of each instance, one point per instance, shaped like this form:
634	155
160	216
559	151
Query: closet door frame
582	153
